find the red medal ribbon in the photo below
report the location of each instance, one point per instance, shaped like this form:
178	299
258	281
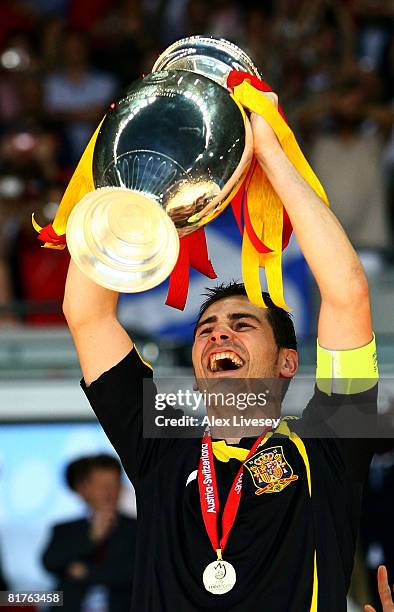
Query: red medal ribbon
209	498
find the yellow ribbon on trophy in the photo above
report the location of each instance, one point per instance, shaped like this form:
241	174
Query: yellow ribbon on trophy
81	183
264	208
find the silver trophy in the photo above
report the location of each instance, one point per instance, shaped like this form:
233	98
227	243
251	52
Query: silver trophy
169	157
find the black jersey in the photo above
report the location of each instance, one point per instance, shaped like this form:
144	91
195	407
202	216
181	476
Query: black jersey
292	548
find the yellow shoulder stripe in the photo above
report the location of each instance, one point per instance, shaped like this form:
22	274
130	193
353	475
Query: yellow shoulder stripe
143	360
224	452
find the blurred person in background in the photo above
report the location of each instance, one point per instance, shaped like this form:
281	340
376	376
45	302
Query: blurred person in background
15	15
258	28
227	21
29	150
37	274
197	17
84	16
96	551
76	95
19	64
374	19
29	277
122	38
346	154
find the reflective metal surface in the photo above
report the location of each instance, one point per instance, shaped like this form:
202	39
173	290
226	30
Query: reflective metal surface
176	147
181	140
122	240
211	57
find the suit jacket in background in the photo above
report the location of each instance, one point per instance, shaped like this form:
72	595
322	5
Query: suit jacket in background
110	563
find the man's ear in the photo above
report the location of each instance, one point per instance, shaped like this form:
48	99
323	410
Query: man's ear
288	362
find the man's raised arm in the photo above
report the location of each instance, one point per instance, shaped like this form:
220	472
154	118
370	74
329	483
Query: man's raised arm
345	317
90	311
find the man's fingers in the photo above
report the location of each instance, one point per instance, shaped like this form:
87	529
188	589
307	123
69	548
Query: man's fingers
385	593
272	97
384	587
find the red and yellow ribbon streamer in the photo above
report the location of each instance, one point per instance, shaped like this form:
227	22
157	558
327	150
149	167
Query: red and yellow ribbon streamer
81	183
193	253
266	223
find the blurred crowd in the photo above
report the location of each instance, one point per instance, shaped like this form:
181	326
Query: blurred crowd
63	61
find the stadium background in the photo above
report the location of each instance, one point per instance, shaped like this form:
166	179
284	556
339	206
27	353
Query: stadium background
61	63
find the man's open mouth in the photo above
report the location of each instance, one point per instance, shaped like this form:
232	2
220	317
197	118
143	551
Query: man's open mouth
225	362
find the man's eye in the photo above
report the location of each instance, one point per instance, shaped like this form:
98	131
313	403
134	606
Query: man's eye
242	324
206	330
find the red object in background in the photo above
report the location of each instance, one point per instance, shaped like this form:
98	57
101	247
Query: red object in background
42	275
12	19
84	15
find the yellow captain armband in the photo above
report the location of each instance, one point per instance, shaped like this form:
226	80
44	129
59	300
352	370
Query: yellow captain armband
348	371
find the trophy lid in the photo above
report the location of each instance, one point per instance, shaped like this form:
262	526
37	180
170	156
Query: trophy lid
212	57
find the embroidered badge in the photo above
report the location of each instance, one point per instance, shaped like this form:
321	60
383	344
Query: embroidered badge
270	471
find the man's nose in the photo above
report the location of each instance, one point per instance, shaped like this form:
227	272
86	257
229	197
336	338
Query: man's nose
220	333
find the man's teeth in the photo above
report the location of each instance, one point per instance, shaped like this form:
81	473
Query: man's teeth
227	355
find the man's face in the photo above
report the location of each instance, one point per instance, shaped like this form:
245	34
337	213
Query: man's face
101	489
235	339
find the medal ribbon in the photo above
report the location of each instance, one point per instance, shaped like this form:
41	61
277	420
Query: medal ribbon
209	497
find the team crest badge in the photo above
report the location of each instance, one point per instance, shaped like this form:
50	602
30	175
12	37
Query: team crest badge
270	471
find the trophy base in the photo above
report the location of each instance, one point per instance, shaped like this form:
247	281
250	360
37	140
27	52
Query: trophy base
122	239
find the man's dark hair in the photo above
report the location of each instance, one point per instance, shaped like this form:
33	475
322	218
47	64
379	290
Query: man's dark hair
80	470
279	319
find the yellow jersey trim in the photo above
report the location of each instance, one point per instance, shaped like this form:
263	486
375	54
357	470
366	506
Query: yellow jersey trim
302	450
143	360
224	452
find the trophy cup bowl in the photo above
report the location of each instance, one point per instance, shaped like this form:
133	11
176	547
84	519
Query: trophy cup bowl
170	155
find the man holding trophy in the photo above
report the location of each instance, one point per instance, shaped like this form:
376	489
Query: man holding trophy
208	538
